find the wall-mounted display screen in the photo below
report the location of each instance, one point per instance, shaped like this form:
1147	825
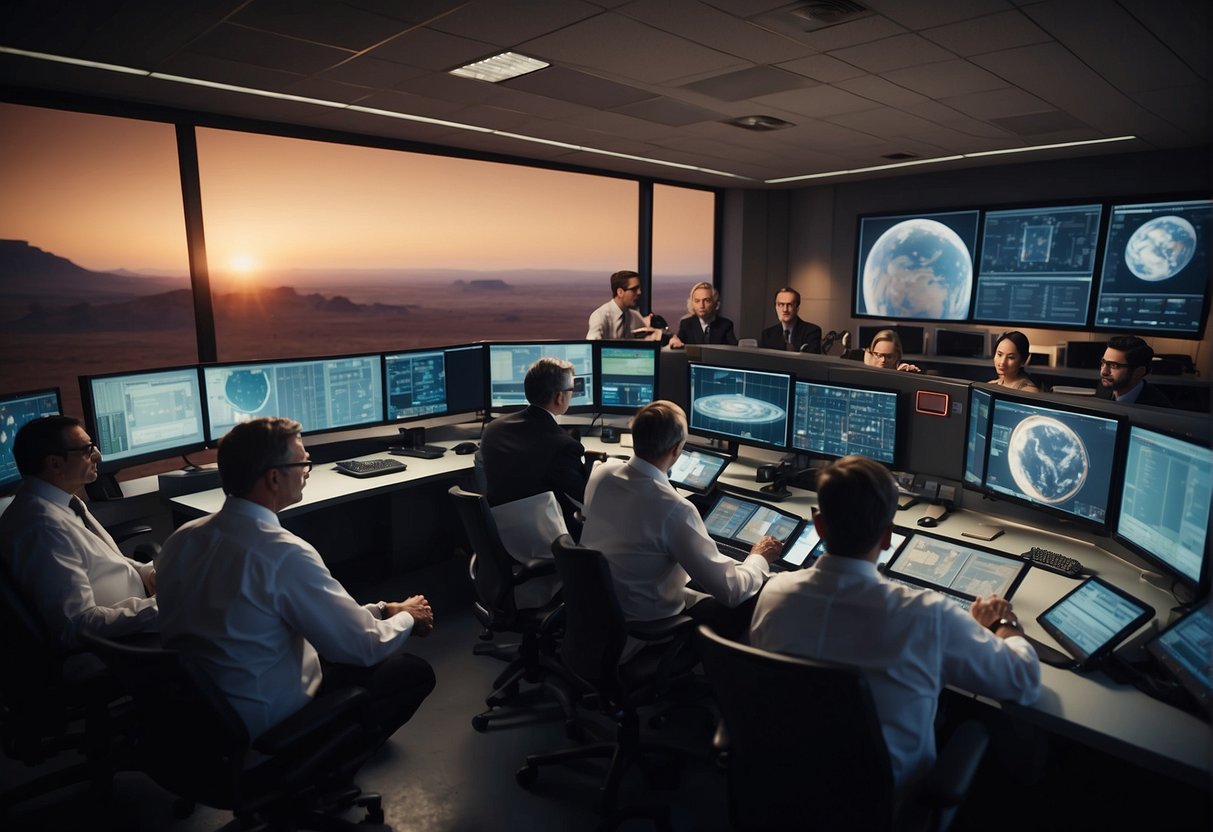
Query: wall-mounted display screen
508	364
15	410
838	420
1155	275
748	406
1037	265
144	415
916	266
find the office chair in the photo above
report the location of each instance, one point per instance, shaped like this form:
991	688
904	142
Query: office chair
805	749
192	742
494	577
595	636
747	342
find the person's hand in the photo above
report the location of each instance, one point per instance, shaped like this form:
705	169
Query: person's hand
990	609
906	367
676	343
769	548
648	319
419	608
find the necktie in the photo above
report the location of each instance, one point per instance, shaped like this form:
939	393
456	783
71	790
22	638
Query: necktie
787	339
619	326
77	505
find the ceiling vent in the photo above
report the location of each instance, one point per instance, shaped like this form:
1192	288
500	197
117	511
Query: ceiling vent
820	14
760	123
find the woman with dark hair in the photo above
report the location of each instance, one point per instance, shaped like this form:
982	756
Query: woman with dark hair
1010	357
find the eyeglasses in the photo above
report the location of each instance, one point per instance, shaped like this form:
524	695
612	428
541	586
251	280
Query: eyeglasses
785	306
1114	366
306	465
635	288
883	356
87	450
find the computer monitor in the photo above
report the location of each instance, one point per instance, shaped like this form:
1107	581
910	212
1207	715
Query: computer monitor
432	382
1155	275
508	363
976	436
1164	503
627	375
1056	458
962	343
16	409
837	420
144	416
322	394
915	266
748	406
1037	265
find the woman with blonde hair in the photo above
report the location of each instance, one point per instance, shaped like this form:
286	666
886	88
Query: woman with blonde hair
885	351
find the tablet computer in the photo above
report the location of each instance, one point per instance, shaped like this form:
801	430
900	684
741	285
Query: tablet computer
964	571
1093	618
697	469
740	522
1185	650
808	546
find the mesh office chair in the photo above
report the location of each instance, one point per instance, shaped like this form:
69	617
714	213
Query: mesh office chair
814	724
495	576
191	742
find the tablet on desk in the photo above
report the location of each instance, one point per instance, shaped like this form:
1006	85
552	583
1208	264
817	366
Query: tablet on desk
960	570
697	469
808	546
739	523
1185	650
1093	618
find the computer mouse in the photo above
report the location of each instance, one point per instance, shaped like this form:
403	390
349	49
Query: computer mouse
928	522
466	448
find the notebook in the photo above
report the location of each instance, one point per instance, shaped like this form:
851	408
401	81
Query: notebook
1092	619
697	469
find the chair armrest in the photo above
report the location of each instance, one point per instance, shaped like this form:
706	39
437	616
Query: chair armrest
660	629
957	764
533	568
126	530
317	714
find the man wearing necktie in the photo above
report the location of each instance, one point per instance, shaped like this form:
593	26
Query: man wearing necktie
619	318
791	333
60	557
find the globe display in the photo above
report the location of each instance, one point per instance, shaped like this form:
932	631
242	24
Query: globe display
919	268
247	390
1160	248
1048	460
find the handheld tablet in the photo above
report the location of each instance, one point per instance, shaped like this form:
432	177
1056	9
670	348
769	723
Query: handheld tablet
1185	650
1092	619
740	522
697	469
808	546
961	570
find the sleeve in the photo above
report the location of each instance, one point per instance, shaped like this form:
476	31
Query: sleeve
812	339
727	581
312	601
598	326
684	331
728	336
566	471
771	339
979	661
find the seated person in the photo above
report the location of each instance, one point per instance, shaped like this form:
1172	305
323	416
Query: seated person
885	351
60	557
1123	370
790	333
655	540
1011	355
258	609
910	642
619	318
703	325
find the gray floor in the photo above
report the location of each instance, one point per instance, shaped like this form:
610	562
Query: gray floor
438	775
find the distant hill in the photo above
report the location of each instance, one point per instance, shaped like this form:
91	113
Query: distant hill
30	275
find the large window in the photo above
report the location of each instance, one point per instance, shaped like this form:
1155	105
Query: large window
94	275
684	224
319	248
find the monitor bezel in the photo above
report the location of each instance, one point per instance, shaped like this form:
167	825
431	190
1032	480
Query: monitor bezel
491	408
447	410
899	438
219	365
725	460
1201	584
1082	658
741	440
1202	694
9	485
890	565
108	464
599	347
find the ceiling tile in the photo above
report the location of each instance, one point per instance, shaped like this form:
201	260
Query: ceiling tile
248	46
819	101
668	111
578	87
916	15
838	36
946	78
878	89
432	50
319	21
822	68
893	53
749	83
507	24
1008	101
372	72
713	28
987	34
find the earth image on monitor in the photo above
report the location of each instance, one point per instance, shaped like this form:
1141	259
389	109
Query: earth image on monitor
1160	248
919	268
1048	460
247	390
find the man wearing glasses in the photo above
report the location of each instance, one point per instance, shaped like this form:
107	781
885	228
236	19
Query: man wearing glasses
1122	373
618	318
791	333
60	557
259	610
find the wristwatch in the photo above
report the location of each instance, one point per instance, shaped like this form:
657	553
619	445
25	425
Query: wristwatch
1006	622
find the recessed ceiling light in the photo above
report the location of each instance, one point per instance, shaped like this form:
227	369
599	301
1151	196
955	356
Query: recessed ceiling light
760	123
501	67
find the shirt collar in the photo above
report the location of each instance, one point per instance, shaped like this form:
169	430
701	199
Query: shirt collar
649	470
846	566
1130	395
51	493
247	508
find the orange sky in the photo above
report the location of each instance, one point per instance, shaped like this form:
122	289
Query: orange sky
104	192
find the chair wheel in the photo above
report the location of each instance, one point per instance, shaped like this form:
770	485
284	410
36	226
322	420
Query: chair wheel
527	775
480	723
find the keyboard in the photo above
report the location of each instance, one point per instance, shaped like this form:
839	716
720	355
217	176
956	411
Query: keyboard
370	467
1054	562
422	452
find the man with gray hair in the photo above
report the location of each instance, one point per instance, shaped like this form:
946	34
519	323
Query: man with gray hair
259	610
909	642
703	323
655	540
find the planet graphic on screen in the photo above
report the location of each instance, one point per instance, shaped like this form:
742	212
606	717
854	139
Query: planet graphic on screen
247	390
731	407
919	268
1048	459
1160	248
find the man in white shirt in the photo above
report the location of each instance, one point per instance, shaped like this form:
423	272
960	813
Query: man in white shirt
655	540
60	557
910	642
255	604
618	318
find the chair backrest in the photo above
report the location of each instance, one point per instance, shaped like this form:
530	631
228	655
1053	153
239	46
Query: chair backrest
595	629
747	342
809	729
494	580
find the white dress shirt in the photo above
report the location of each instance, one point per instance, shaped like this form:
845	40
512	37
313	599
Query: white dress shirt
655	542
249	599
74	578
609	322
910	643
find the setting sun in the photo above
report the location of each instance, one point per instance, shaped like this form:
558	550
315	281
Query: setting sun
243	264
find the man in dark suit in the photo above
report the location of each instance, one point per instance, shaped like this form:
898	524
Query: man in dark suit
1122	373
790	333
703	325
527	453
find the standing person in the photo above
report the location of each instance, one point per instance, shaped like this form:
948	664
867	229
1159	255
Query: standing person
62	560
1123	370
885	351
909	642
619	318
790	333
1011	355
703	324
259	610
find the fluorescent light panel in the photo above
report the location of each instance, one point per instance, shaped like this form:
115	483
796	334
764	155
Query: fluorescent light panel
501	67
